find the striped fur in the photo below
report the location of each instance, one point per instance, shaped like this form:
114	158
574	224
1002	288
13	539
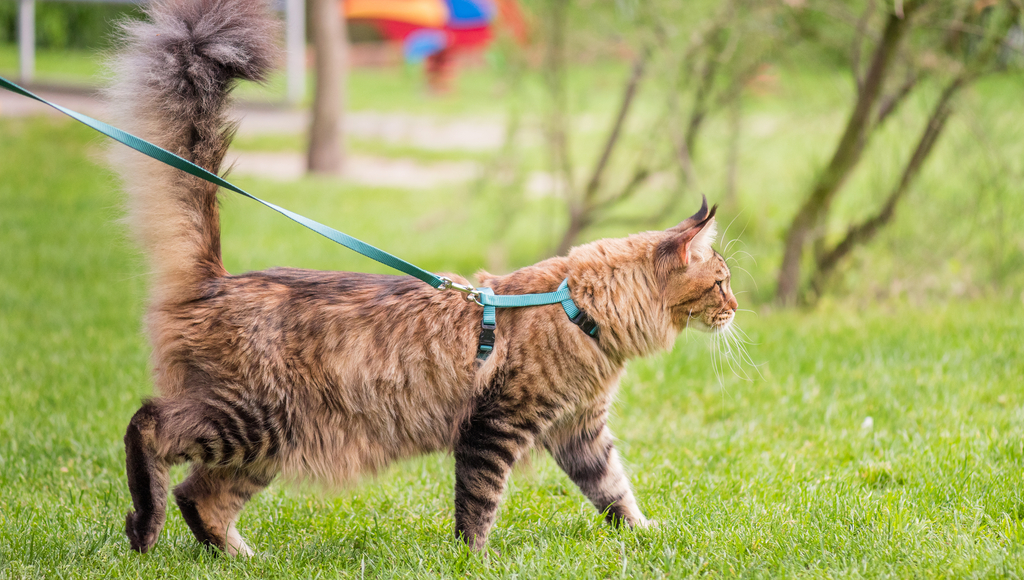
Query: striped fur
322	376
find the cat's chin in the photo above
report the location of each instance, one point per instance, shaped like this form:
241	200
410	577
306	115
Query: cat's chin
719	324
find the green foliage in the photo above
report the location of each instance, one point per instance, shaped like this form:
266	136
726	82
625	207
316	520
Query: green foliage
62	25
779	477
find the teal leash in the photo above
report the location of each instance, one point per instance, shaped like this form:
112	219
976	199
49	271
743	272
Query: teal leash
164	156
483	296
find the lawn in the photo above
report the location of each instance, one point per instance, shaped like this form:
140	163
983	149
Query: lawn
875	439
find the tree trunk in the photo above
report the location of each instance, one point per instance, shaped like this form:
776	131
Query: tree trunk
862	233
326	153
844	159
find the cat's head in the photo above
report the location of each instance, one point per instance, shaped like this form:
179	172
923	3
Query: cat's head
694	277
644	289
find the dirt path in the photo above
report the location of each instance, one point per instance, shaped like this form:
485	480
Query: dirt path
418	131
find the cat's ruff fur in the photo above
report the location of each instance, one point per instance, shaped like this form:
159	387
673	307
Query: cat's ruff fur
326	375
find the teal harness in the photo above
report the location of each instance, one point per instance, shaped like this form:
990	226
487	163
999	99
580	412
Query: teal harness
483	296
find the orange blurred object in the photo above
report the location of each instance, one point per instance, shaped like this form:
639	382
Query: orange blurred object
426	13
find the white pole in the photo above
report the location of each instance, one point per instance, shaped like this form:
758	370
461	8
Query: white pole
295	45
26	40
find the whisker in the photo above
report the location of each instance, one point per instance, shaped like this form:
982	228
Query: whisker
737	238
734	348
750	275
726	232
746	354
749	255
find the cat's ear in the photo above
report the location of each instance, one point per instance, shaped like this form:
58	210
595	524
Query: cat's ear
694	234
696	219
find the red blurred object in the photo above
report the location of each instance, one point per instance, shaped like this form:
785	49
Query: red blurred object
437	30
457	38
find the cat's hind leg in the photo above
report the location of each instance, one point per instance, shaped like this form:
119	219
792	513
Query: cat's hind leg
211	499
588	456
224	442
147	478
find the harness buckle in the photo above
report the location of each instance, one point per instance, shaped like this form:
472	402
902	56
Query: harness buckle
487	335
586	323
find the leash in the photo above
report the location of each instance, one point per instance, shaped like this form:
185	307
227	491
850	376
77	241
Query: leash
482	296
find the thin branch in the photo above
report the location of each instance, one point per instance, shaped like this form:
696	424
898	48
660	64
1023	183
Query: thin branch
639	66
732	157
892	102
640	174
683	159
866	230
858	42
845	17
700	106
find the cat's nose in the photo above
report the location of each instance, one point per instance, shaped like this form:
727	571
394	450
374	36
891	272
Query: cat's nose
732	304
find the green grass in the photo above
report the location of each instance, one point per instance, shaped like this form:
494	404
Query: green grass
774	477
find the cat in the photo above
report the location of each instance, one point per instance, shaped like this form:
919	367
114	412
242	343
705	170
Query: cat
322	376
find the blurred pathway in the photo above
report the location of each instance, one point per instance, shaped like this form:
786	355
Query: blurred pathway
418	131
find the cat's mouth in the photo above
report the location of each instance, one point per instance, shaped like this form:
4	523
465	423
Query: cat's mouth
714	322
722	320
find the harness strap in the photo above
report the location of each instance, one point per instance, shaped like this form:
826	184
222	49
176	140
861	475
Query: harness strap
489	322
487	326
577	316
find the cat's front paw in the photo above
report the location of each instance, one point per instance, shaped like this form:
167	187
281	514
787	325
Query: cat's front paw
646	524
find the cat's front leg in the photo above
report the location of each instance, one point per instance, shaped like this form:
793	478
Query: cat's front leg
488	447
587	455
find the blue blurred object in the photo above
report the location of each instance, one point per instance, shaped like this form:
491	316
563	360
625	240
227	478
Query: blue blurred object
470	13
423	43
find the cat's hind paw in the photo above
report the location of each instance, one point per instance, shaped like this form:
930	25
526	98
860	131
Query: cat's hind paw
142	533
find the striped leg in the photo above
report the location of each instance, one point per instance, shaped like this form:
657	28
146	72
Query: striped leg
589	458
223	441
211	500
147	479
484	455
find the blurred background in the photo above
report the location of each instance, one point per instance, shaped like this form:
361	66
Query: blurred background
859	149
864	419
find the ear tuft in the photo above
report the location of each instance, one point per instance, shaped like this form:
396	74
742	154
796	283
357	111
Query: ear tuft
697	218
693	236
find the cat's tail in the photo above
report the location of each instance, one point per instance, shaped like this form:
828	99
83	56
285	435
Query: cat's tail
172	75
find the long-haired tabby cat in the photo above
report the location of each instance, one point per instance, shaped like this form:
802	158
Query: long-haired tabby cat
325	375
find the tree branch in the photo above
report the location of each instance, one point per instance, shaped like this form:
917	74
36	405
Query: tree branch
628	95
858	41
866	230
844	158
892	102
